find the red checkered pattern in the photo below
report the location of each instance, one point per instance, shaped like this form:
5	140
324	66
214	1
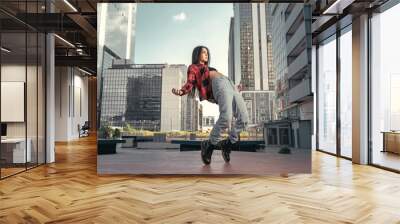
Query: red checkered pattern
198	76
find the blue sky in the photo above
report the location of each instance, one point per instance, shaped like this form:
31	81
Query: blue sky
167	33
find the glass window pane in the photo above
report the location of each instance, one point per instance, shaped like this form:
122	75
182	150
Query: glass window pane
327	95
31	97
346	94
41	99
385	84
13	85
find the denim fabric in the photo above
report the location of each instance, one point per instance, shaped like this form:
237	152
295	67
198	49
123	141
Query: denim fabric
231	105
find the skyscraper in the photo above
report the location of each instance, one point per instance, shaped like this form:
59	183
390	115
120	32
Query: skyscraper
231	50
250	58
270	60
248	51
192	113
116	29
132	94
259	105
172	111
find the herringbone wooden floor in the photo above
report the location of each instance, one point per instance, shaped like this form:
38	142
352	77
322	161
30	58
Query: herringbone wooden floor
70	191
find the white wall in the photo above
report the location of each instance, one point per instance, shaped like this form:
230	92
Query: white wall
61	103
14	73
33	126
70	84
79	117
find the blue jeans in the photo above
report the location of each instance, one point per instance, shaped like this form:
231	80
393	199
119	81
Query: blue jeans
231	104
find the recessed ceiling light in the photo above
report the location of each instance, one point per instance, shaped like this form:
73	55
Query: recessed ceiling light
64	40
5	50
84	71
332	7
70	5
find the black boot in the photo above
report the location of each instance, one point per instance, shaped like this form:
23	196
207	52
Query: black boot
226	147
206	151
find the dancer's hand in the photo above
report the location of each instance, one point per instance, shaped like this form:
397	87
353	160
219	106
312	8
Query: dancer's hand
177	92
239	87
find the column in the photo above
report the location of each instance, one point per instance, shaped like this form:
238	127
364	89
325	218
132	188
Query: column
360	90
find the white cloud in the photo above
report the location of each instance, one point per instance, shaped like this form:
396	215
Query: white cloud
180	17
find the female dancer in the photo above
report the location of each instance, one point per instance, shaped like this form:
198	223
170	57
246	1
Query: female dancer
216	88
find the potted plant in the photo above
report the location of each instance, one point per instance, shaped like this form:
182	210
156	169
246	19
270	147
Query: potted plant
108	132
108	139
117	133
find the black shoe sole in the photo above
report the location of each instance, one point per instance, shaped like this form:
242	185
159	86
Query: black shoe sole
226	158
225	155
204	153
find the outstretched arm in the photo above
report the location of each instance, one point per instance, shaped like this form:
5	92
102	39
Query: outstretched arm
191	80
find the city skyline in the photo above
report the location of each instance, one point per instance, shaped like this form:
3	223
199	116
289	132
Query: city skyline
155	39
165	34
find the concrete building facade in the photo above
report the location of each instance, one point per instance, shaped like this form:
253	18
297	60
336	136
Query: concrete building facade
171	106
291	47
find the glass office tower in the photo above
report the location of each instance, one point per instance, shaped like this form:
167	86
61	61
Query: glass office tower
131	94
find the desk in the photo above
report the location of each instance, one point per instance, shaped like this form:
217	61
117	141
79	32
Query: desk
391	142
13	150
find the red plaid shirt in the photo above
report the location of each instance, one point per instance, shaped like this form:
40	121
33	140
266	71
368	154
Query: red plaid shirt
198	76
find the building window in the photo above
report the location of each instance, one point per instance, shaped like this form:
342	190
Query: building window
385	89
327	95
346	93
